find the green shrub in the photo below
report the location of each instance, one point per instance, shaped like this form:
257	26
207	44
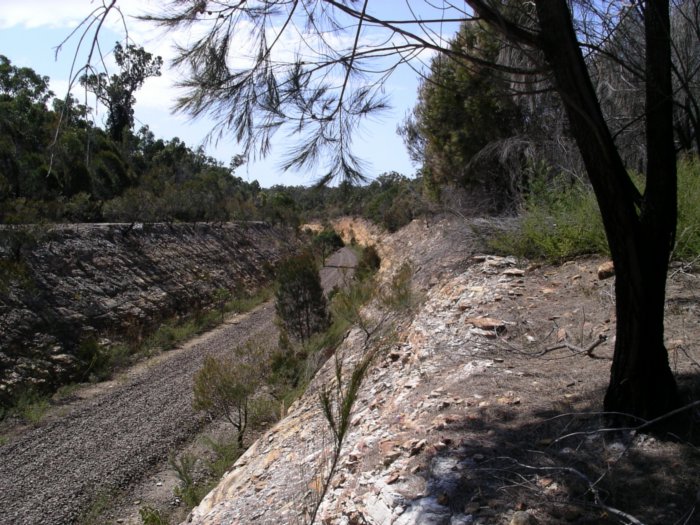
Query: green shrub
347	303
221	297
188	490
688	229
226	452
30	405
560	220
223	387
95	359
368	264
152	516
299	300
95	512
399	295
287	366
326	242
245	303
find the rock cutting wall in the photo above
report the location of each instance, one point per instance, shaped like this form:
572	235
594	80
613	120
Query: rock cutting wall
279	478
64	284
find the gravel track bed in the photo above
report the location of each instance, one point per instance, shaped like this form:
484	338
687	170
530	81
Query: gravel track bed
51	473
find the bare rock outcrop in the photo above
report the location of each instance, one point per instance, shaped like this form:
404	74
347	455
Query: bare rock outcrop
396	421
64	285
386	465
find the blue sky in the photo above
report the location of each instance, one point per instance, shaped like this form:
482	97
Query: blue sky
30	30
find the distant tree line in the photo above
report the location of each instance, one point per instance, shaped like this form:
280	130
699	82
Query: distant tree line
56	165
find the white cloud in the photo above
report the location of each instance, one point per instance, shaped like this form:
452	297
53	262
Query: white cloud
43	13
32	14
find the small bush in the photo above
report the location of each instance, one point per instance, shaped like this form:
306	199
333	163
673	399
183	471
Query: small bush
245	303
152	516
188	490
226	452
368	264
560	220
399	295
287	366
223	387
30	405
299	300
347	303
221	297
96	360
326	242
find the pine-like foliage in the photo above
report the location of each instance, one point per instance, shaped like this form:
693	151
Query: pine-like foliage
300	303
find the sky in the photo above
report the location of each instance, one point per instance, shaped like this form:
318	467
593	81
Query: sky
30	30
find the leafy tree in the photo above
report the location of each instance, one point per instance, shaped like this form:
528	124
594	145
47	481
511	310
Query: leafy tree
81	174
462	108
23	82
256	100
278	207
391	201
640	228
116	92
299	300
223	388
23	125
327	241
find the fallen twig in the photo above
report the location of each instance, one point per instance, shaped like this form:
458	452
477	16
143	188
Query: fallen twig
684	267
638	428
588	350
591	487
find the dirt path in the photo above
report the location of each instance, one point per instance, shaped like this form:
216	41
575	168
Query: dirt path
114	434
338	269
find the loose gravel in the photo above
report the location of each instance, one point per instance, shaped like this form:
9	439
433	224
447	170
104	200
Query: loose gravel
51	474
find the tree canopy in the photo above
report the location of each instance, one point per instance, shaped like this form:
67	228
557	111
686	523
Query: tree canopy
116	92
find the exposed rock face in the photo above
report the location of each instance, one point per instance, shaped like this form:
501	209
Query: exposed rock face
397	426
396	419
360	231
64	284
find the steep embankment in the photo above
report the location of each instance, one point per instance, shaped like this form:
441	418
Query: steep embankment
64	285
480	409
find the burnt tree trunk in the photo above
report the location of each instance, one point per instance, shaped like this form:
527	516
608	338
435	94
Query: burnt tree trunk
640	228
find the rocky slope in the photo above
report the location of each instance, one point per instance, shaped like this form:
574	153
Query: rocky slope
63	286
482	407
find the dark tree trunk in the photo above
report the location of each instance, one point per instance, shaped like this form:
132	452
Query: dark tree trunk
639	229
641	381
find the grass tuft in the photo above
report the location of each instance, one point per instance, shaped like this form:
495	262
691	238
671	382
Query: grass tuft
561	220
688	230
